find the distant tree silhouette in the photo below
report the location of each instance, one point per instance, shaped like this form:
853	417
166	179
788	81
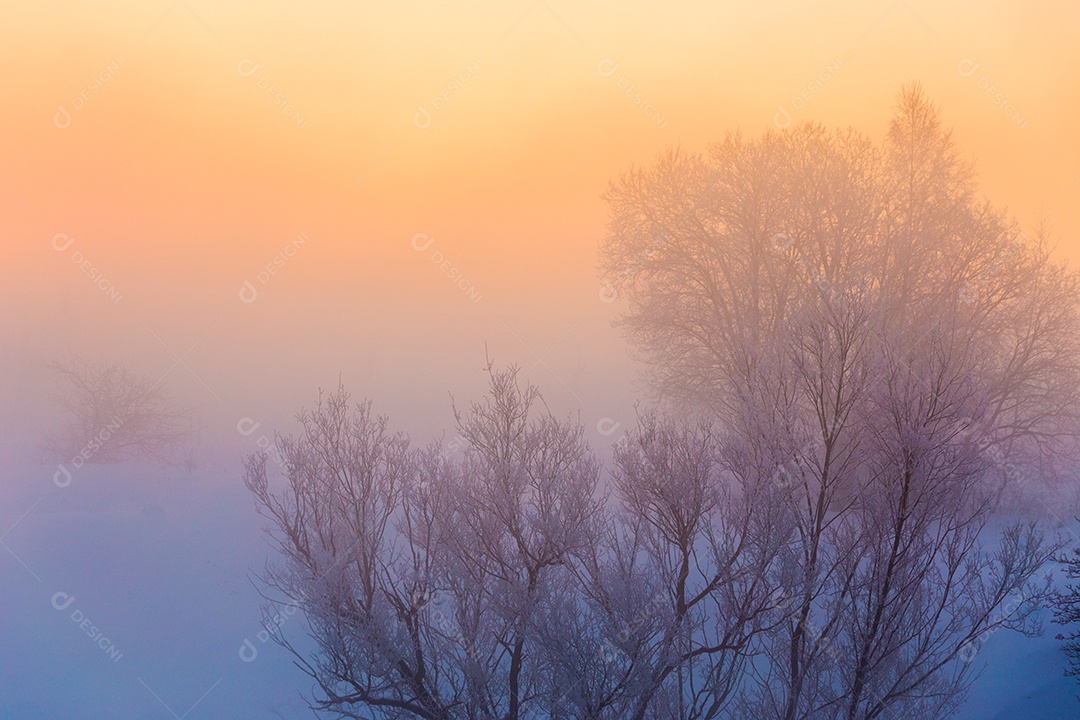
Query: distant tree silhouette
115	414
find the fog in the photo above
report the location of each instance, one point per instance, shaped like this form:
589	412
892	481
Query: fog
250	205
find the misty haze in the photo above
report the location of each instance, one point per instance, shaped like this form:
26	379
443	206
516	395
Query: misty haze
537	362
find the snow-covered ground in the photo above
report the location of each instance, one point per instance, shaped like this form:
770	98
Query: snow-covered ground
161	561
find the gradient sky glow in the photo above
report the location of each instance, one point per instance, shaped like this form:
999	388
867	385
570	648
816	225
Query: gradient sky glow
204	138
248	201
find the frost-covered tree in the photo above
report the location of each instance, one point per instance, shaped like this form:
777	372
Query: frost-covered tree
686	575
866	361
434	588
900	353
114	413
355	524
502	584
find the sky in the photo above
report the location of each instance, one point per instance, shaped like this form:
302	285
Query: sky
248	202
252	201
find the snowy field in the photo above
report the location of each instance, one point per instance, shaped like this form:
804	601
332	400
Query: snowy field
165	577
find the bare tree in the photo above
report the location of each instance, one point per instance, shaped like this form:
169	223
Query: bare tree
116	414
428	585
868	362
853	312
499	585
347	480
695	541
525	507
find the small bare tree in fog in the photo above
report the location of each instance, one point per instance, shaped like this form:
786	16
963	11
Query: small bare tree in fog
904	357
116	414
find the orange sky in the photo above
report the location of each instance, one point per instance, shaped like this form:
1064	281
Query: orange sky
183	147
